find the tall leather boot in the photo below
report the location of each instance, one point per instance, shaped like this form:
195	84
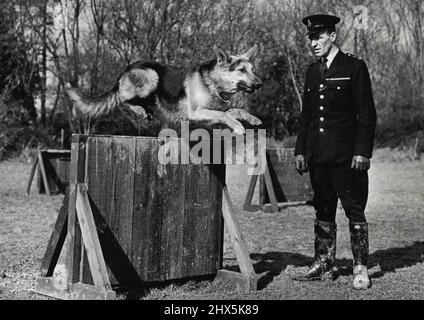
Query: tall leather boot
325	252
360	248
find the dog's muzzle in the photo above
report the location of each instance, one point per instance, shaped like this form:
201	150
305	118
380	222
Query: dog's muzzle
249	89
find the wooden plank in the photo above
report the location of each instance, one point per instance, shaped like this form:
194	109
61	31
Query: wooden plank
85	275
91	240
111	186
51	163
64	170
202	209
101	187
289	186
43	172
217	220
31	175
218	242
190	220
155	212
56	151
76	175
173	196
236	236
56	241
79	291
48	286
110	174
262	190
212	223
104	174
57	177
123	168
270	189
142	205
82	291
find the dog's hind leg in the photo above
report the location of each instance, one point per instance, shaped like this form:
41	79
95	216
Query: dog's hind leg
214	116
242	114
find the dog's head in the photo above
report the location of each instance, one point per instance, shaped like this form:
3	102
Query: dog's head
232	74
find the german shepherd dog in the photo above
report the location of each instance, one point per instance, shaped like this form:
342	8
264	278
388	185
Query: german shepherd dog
172	95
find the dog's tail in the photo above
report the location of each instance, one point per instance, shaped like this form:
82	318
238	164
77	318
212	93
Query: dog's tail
94	106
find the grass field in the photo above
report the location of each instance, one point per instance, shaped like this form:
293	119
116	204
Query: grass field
279	243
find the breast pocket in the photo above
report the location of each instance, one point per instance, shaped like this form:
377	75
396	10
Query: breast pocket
339	90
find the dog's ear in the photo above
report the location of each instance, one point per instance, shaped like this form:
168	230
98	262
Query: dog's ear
221	55
250	53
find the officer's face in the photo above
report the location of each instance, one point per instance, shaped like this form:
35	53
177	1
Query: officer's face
322	43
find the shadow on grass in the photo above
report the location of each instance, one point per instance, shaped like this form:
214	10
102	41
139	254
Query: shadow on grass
273	263
141	290
388	260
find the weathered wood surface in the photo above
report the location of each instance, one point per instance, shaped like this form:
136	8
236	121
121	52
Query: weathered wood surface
239	280
79	291
155	222
32	173
234	231
91	240
76	176
57	239
288	185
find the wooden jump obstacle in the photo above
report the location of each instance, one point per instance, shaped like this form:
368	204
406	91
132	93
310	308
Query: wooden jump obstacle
128	219
52	166
280	185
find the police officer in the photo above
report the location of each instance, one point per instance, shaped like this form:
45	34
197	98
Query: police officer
335	143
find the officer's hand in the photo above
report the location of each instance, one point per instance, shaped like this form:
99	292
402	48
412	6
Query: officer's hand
301	165
360	163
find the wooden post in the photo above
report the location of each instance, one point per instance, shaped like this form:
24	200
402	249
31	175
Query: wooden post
31	176
57	239
280	182
91	240
270	188
43	172
247	279
76	175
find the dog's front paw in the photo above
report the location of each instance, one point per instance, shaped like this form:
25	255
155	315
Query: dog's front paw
254	121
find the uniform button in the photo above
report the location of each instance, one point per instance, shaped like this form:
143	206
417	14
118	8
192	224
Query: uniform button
321	108
321	119
321	86
321	96
321	130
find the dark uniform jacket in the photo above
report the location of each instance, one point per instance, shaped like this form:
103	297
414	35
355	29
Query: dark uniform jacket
338	117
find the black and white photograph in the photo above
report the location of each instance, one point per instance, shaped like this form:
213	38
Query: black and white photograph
215	156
